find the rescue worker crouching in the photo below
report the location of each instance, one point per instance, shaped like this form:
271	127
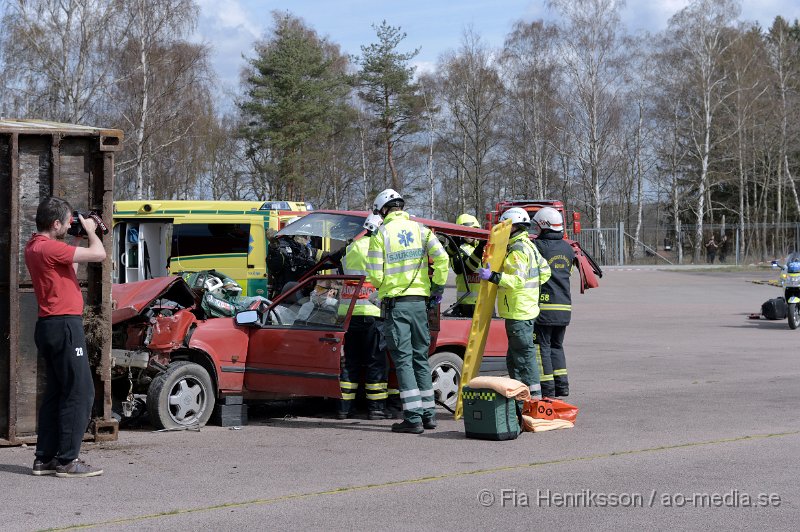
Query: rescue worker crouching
398	266
362	339
465	260
524	271
555	302
288	259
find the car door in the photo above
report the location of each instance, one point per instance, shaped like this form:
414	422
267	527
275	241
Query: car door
297	351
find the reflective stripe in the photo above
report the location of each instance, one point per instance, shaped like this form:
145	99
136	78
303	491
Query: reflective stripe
559	372
348	396
374	254
373	266
532	284
428	404
344	385
375	385
546	378
402	269
409	393
426	393
435	252
377	396
412	404
554	306
535	387
393	391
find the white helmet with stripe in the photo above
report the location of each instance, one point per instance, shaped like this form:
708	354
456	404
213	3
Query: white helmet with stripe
549	218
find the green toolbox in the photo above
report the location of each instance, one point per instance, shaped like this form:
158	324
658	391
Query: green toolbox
489	415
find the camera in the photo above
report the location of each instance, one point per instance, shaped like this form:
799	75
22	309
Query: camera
76	229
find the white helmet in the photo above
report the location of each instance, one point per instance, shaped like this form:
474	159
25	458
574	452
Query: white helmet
385	197
373	222
517	216
549	218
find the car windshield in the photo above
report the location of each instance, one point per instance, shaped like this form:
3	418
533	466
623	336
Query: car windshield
326	225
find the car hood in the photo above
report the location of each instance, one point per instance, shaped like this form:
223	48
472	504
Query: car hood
131	299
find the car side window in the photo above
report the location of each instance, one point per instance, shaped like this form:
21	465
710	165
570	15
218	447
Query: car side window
316	307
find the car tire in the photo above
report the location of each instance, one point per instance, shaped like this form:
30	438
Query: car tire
182	396
446	370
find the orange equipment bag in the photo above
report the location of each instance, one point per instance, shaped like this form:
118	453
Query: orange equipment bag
548	408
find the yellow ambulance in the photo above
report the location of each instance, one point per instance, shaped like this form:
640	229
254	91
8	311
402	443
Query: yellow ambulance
155	238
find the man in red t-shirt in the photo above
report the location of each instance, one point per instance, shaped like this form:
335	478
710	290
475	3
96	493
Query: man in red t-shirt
67	403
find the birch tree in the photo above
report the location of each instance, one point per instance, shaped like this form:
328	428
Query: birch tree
56	57
591	55
702	34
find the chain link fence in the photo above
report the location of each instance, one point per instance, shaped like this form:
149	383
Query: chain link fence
733	244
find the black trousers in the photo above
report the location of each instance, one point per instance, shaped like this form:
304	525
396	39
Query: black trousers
554	363
362	350
68	396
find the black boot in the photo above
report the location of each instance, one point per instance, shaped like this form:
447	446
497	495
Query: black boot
562	386
408	428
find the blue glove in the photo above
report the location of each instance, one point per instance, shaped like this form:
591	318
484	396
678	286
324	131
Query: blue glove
485	273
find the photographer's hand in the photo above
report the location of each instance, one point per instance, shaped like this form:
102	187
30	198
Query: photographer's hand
95	252
89	225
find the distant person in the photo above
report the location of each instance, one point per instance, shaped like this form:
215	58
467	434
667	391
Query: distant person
723	249
711	250
66	406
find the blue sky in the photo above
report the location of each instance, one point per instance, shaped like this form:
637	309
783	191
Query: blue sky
435	26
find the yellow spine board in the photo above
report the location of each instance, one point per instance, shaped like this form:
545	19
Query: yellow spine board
493	254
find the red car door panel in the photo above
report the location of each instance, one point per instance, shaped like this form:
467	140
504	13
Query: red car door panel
298	351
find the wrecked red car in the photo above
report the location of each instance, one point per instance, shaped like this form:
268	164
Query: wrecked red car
164	347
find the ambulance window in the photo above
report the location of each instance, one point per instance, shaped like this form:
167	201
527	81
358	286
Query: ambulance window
209	239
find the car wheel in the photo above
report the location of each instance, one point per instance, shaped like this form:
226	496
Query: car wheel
181	396
446	376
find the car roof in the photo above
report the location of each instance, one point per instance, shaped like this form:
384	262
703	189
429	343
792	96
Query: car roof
437	225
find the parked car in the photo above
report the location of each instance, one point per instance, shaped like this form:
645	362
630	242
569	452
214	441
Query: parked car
166	347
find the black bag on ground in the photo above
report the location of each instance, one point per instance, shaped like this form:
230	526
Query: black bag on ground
775	309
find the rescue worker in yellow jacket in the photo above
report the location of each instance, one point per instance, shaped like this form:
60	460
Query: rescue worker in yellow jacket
465	261
524	271
362	339
398	266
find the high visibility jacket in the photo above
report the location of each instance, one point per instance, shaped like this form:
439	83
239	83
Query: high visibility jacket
397	262
354	262
466	290
555	300
524	270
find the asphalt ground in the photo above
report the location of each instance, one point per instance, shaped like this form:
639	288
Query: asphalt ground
688	414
